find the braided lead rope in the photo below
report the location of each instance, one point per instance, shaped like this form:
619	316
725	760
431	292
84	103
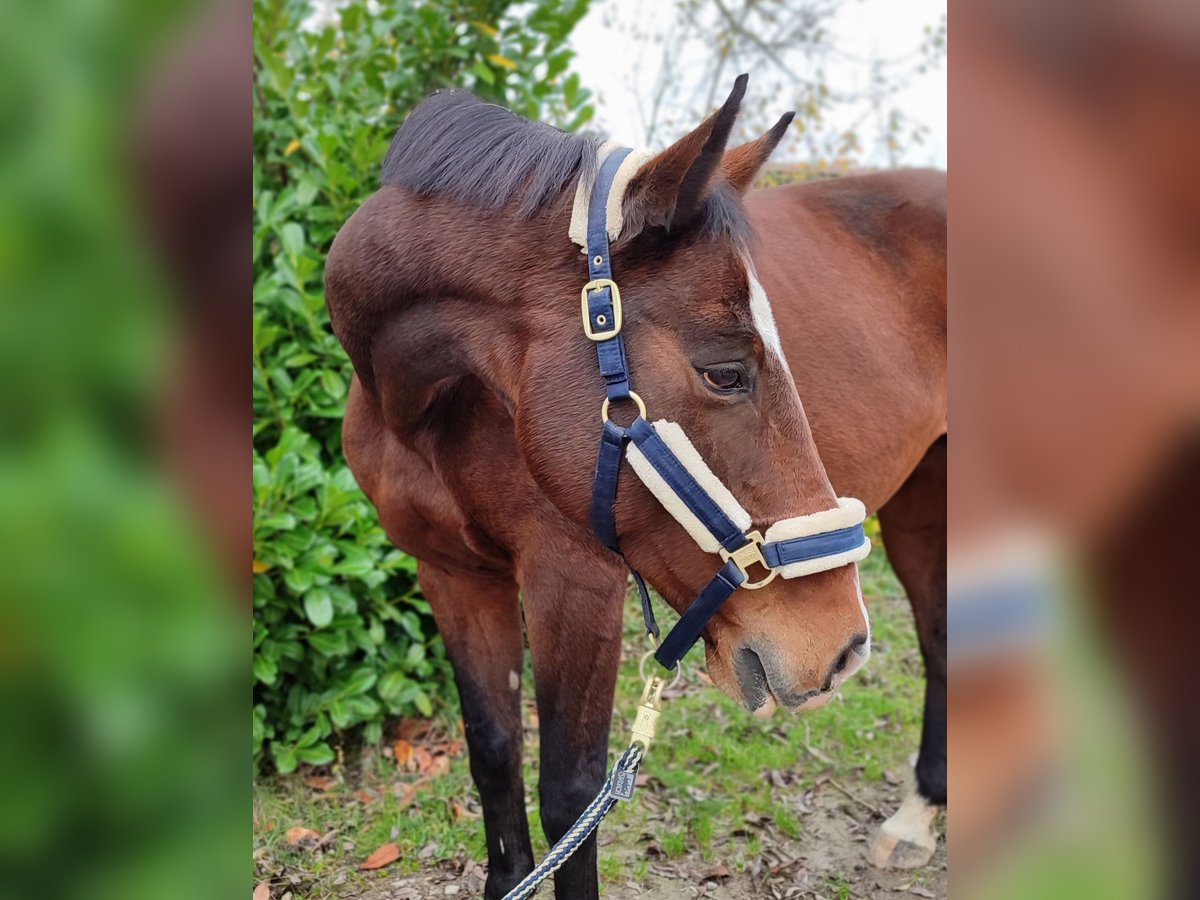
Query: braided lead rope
588	822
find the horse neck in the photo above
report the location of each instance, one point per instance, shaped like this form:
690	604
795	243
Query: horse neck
462	297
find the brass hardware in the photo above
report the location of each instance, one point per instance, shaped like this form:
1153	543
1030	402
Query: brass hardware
645	725
598	260
649	655
602	319
605	333
632	396
747	555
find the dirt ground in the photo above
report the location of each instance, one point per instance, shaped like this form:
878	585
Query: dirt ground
828	862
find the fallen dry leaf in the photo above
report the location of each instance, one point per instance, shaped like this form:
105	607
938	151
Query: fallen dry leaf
303	837
364	797
385	855
262	892
403	751
320	782
461	812
717	873
412	729
423	759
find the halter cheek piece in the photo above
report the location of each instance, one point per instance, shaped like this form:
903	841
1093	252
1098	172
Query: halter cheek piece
673	470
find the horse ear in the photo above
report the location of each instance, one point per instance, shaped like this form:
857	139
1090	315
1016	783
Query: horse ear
741	165
668	191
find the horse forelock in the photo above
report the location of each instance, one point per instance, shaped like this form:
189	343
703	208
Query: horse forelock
454	144
482	155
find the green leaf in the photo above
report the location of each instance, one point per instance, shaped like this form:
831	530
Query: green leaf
318	606
299	580
317	755
329	643
283	520
391	685
484	73
373	732
359	682
291	238
333	383
265	669
421	699
285	759
571	89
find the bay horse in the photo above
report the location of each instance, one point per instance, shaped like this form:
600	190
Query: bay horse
471	424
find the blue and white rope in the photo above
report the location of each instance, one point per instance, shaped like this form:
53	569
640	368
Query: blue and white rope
588	822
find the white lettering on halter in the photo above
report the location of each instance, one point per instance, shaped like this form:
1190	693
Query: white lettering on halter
760	311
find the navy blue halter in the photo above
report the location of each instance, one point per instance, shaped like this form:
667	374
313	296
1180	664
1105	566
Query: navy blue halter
602	313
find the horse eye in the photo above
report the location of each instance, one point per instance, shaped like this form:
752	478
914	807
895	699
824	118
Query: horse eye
724	378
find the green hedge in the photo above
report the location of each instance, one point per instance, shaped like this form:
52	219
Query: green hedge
342	637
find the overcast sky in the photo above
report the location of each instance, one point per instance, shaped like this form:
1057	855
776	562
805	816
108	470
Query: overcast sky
863	28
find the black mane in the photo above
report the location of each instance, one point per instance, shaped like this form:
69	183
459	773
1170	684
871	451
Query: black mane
485	155
454	144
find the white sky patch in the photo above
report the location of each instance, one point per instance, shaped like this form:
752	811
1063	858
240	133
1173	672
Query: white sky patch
864	29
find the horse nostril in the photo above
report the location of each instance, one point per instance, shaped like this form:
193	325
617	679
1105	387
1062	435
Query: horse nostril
751	676
855	646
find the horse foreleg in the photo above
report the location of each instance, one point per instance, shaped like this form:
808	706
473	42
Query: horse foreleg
480	622
914	531
573	610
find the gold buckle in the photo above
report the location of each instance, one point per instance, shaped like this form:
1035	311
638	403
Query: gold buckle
615	326
747	555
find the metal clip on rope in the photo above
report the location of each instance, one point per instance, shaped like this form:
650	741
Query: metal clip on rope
619	785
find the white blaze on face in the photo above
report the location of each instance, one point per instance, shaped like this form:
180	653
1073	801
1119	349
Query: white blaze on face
760	311
865	653
862	606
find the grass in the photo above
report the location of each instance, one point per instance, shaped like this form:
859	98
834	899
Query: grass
714	776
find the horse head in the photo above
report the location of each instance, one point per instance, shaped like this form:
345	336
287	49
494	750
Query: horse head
487	237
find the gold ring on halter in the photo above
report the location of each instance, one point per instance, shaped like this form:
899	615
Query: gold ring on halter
676	675
632	396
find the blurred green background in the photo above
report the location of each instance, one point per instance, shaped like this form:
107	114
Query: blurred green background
120	647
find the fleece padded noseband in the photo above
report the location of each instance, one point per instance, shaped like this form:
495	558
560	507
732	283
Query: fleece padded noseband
669	464
801	545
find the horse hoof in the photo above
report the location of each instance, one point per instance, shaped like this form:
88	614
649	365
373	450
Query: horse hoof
891	852
906	840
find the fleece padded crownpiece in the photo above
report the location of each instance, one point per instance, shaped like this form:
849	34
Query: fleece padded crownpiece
849	512
673	436
615	216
